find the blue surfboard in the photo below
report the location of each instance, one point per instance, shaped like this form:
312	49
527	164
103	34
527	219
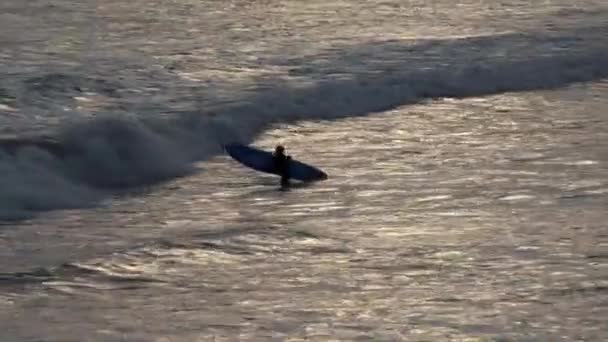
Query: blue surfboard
262	161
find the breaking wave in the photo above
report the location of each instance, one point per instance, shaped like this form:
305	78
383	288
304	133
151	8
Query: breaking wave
86	161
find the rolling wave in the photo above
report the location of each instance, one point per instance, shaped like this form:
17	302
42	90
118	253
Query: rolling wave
86	161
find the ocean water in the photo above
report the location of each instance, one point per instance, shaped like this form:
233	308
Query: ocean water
466	144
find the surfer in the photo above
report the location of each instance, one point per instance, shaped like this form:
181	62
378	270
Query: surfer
281	164
275	162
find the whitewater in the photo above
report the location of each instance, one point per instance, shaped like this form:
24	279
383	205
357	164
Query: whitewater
466	144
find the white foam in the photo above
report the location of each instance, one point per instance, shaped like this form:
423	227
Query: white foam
519	197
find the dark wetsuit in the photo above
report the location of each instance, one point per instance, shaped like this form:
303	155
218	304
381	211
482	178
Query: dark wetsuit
281	163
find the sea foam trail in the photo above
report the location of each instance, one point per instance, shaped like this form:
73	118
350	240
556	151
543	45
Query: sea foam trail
83	162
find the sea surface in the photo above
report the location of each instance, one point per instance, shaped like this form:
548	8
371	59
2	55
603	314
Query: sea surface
466	143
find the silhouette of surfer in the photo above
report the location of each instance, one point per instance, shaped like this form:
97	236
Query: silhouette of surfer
281	164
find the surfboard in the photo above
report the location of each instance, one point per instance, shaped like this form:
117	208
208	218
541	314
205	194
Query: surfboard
261	160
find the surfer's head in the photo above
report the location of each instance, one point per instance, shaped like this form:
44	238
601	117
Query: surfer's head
279	149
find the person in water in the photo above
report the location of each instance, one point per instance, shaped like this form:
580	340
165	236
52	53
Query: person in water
281	164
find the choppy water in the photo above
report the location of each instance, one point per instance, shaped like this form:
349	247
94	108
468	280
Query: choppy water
466	144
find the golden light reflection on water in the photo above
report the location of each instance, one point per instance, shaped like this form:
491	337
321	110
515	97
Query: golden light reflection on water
468	237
